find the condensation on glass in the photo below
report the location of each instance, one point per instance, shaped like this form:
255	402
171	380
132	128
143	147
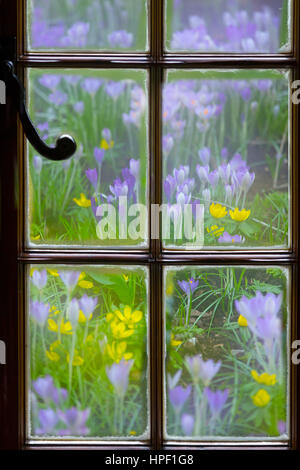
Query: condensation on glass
226	26
90	199
87	353
226	367
104	25
226	146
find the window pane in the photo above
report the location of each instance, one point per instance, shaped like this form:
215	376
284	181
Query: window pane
245	26
82	201
106	25
226	353
226	146
87	352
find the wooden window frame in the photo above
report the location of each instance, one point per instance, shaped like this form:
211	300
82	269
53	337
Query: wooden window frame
15	257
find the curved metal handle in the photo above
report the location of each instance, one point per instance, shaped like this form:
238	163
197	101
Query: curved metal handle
65	145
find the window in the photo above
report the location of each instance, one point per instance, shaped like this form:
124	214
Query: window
150	289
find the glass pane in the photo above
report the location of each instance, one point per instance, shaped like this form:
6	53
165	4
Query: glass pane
106	25
244	26
82	201
87	352
226	146
226	370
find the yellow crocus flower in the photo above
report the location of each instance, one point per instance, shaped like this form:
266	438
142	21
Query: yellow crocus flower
85	284
106	145
239	216
37	237
265	378
132	433
31	271
82	201
119	331
218	211
261	398
117	351
242	321
65	327
125	277
215	230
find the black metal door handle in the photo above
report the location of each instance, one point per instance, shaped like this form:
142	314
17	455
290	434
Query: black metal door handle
65	145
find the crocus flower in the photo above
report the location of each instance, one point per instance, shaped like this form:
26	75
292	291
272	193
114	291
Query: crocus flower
178	396
50	81
37	163
118	375
58	98
106	134
188	287
204	155
202	370
173	381
69	278
44	387
77	35
114	89
121	39
73	312
99	155
87	305
119	188
79	107
82	201
39	278
281	426
227	238
92	176
39	311
134	166
91	85
169	187
48	420
75	420
203	172
167	143
216	400
187	424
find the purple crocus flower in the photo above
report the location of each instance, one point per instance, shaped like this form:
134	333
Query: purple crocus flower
91	85
246	93
73	312
87	305
187	424
247	181
58	98
281	426
38	164
79	107
118	375
134	166
178	396
114	89
76	35
121	39
44	387
39	311
216	400
261	314
204	155
227	238
48	420
167	143
106	134
92	176
50	81
69	278
129	181
213	178
39	278
203	172
119	188
169	187
202	370
99	155
75	420
188	287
